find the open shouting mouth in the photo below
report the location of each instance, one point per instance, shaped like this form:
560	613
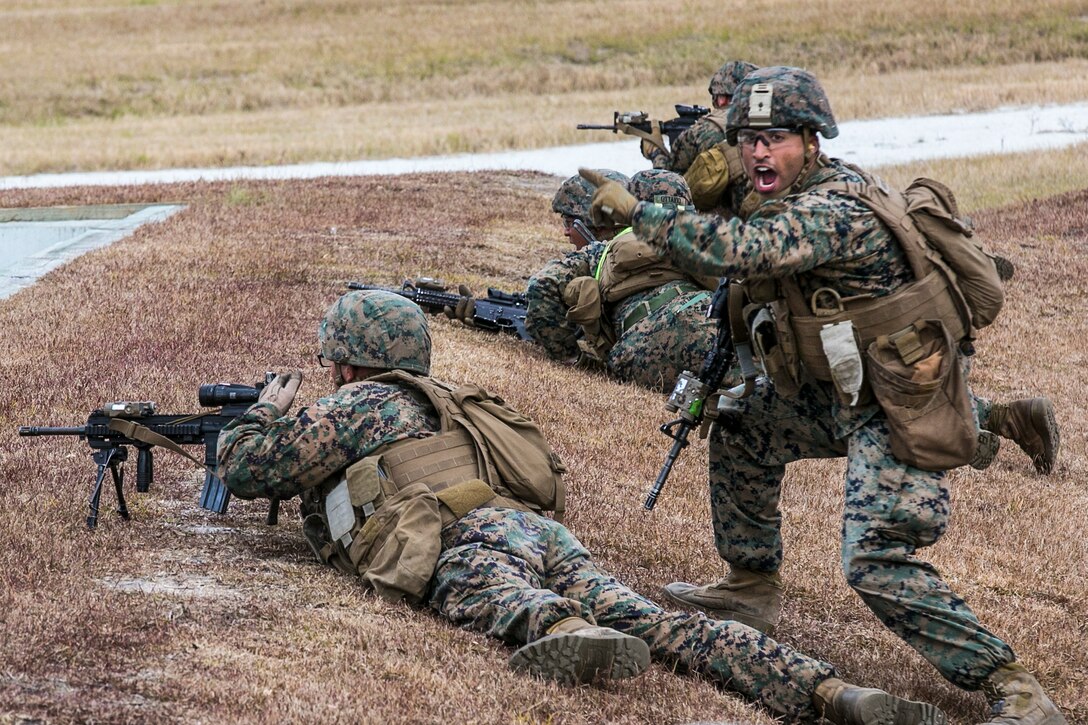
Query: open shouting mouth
765	180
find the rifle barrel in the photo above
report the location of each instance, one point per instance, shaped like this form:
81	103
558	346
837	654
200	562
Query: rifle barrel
680	442
37	430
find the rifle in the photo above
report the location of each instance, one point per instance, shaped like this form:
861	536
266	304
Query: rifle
580	235
686	116
115	426
690	393
501	311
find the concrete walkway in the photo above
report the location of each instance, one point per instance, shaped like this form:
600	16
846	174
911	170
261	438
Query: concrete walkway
868	143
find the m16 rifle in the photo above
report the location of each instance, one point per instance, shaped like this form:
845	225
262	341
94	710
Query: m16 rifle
689	396
500	311
115	426
686	116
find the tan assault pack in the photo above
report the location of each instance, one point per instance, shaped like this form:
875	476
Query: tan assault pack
713	171
383	518
493	443
628	266
910	338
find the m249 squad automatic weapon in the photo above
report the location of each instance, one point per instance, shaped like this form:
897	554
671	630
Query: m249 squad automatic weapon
686	116
114	427
500	311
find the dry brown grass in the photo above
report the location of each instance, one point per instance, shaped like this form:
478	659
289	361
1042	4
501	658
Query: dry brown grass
181	616
92	84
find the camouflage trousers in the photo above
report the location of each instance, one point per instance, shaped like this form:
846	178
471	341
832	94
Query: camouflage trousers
513	574
891	511
656	349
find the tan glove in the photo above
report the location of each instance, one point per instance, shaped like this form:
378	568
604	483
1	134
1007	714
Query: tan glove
281	391
466	306
612	204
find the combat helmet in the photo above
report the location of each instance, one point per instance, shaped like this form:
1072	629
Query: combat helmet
376	329
575	193
660	187
780	97
724	82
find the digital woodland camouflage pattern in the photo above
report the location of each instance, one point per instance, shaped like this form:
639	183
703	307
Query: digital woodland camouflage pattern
891	510
655	350
513	574
824	239
725	80
659	186
573	197
373	329
704	134
797	100
262	456
652	353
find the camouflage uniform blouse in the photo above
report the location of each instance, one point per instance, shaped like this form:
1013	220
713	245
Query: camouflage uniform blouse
823	238
702	135
261	455
546	315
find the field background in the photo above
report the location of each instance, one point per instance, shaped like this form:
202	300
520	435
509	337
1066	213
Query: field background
183	616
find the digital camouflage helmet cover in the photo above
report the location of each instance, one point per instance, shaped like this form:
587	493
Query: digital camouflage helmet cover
724	82
659	186
376	329
780	97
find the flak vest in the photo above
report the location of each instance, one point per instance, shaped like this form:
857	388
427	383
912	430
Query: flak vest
903	348
395	501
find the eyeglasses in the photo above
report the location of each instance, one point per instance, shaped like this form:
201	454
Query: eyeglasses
770	137
324	361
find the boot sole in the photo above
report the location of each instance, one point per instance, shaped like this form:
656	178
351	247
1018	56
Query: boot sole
761	625
571	659
1042	417
890	710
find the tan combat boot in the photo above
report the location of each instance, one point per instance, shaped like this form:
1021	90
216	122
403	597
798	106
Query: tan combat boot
1029	423
745	596
575	651
1017	698
845	704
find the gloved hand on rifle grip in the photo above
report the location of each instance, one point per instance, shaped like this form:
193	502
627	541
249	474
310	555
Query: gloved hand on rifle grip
466	306
281	391
612	204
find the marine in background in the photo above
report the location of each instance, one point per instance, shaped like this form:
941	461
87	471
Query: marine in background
615	304
711	167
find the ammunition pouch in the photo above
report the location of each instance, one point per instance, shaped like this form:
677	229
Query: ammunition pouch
585	308
918	379
927	299
775	345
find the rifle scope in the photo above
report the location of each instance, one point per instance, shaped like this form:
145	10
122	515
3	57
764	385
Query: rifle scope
213	395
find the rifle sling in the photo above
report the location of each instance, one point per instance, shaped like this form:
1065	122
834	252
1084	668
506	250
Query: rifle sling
135	431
